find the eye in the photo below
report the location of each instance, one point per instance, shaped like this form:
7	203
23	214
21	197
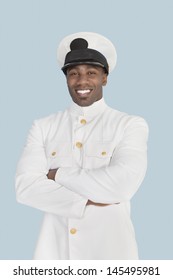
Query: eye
73	73
92	72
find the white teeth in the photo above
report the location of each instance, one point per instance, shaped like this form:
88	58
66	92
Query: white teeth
83	91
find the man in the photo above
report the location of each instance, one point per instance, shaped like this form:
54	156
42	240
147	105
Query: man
82	166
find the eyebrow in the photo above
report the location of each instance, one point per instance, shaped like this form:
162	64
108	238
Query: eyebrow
89	66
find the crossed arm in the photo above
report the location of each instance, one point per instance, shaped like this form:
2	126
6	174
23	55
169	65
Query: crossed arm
51	176
63	194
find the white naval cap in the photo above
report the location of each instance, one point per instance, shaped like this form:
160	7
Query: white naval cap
86	48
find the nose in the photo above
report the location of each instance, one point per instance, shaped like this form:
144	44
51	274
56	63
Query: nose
82	79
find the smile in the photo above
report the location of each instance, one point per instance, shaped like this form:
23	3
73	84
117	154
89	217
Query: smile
83	92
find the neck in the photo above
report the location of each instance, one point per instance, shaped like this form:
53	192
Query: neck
94	109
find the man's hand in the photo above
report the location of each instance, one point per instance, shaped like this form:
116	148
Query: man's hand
51	174
89	202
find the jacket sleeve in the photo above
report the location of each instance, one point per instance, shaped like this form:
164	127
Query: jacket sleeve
118	181
34	189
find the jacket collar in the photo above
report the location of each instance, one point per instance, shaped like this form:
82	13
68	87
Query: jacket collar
88	112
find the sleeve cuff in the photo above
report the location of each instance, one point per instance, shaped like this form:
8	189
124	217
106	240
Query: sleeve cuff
61	173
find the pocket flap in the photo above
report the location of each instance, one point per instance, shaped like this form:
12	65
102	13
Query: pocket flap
100	150
58	149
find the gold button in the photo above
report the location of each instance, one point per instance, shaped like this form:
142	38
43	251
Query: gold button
83	121
79	145
53	154
103	153
73	230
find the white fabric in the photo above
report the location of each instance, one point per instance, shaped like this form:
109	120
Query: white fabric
108	168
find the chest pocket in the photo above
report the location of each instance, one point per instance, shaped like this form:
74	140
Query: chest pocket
98	154
59	154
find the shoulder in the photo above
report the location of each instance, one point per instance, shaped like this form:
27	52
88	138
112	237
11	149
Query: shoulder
45	126
124	120
51	119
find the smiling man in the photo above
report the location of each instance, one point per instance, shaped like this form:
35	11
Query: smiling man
85	83
82	166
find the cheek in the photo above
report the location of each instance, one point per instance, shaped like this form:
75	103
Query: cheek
70	83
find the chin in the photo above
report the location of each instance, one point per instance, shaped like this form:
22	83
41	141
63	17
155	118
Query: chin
84	103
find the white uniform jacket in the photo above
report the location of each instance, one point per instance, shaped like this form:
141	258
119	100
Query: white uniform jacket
101	154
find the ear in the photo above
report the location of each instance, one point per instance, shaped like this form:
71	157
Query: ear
104	79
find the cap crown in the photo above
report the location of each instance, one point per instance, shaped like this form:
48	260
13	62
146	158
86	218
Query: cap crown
101	50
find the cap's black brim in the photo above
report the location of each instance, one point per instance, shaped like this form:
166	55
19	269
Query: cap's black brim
71	64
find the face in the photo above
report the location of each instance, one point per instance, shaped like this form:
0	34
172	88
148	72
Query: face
85	83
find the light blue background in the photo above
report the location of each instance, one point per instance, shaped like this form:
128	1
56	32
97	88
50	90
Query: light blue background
32	86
